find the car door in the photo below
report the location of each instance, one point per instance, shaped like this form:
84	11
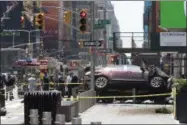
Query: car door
117	73
135	73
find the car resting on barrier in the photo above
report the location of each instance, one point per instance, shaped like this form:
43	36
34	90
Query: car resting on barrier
83	98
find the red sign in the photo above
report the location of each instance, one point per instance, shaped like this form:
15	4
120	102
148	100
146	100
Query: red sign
83	14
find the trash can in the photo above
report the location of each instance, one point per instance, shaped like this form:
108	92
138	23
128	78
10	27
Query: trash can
69	109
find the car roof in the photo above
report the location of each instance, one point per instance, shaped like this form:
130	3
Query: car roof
117	66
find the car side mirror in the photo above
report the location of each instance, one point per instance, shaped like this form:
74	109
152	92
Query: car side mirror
142	69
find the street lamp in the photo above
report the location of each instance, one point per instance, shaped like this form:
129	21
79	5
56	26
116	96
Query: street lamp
29	36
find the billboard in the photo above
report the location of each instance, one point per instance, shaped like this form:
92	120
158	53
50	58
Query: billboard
173	14
173	19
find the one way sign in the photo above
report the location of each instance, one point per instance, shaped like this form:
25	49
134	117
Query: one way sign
103	50
92	43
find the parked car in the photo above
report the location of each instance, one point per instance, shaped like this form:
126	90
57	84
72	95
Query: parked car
117	79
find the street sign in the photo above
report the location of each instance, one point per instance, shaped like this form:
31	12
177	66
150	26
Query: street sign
103	22
103	50
99	26
92	43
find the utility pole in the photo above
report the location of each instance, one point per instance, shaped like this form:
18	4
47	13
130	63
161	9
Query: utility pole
60	26
105	33
93	50
38	5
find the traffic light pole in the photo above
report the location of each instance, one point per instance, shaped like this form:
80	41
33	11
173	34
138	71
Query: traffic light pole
60	28
93	51
38	35
105	35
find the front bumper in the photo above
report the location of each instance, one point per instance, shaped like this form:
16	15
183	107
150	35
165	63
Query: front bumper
170	83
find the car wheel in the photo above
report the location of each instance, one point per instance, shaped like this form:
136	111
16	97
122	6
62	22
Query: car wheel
156	82
101	82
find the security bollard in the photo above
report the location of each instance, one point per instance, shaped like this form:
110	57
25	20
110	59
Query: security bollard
34	117
95	123
33	112
46	119
60	119
76	121
134	94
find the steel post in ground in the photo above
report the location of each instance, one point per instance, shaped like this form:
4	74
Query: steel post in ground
134	94
76	121
46	118
34	117
95	123
60	119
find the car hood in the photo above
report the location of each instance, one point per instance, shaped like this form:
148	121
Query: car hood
96	71
161	73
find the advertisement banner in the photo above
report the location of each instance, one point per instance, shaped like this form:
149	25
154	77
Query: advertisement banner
173	14
169	39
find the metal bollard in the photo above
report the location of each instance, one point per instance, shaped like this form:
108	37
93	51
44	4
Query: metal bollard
89	100
76	121
134	94
34	117
83	102
46	119
60	119
95	123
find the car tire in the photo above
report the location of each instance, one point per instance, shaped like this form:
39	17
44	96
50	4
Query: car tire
101	82
156	82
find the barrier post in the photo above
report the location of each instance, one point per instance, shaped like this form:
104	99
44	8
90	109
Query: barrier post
76	121
34	117
134	94
60	119
46	118
95	123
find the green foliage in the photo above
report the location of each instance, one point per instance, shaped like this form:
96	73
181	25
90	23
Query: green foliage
180	83
164	110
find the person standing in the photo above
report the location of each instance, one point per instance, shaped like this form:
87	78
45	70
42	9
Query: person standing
46	82
32	83
66	86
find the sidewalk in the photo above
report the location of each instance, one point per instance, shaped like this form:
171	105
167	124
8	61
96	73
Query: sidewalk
125	114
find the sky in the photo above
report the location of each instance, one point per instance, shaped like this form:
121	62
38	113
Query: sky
130	17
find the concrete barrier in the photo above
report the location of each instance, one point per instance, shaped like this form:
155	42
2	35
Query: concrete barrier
85	104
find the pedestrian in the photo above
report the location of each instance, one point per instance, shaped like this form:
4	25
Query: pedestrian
60	84
9	82
32	83
46	82
67	86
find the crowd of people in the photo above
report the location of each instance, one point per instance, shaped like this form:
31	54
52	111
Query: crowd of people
43	83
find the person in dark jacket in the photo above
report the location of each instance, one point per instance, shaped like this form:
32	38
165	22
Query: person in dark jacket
46	82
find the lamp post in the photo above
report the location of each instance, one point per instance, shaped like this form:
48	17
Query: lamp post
29	37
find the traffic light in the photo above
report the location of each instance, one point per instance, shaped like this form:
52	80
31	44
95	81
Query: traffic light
22	21
67	17
39	21
83	21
